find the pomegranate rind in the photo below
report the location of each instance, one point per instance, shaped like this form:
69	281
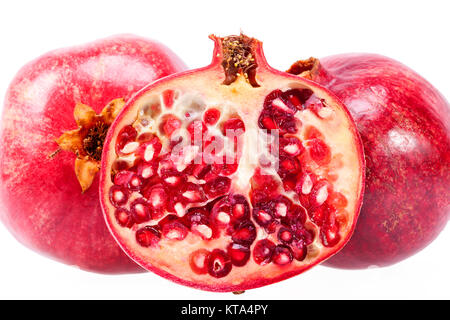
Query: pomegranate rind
237	279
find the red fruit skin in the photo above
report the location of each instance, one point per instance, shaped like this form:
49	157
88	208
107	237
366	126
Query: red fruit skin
40	198
404	123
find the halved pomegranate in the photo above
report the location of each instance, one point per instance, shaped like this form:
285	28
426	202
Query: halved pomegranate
242	194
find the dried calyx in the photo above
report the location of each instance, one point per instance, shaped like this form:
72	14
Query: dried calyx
238	58
87	140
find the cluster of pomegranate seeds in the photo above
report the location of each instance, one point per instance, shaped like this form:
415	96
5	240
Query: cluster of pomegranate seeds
316	196
179	183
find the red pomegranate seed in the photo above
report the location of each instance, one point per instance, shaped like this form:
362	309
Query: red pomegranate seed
299	250
304	184
197	129
297	97
188	154
304	200
202	230
282	255
135	183
233	126
285	121
197	219
291	146
157	197
170	124
217	187
166	163
263	251
289	183
262	215
168	98
199	171
245	233
239	254
123	217
256	196
174	231
264	182
177	207
281	206
301	233
312	132
279	103
221	212
192	192
140	211
226	166
319	215
272	96
319	193
148	236
198	261
123	177
296	214
240	209
130	147
126	135
213	146
120	165
288	166
222	217
118	195
272	227
319	151
338	200
219	263
285	235
330	235
266	122
146	169
296	102
173	178
331	218
150	150
196	215
145	136
211	116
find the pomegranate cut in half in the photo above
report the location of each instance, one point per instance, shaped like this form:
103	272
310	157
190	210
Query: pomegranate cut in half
231	222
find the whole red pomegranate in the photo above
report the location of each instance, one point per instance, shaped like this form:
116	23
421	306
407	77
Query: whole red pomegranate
404	123
232	176
41	200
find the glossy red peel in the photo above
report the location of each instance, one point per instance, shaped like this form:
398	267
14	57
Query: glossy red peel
404	124
41	201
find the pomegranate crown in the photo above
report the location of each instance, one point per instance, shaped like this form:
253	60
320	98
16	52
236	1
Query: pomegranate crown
238	57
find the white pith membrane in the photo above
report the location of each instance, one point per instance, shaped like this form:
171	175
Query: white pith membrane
193	94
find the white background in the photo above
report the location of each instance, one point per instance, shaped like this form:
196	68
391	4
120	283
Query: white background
414	32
